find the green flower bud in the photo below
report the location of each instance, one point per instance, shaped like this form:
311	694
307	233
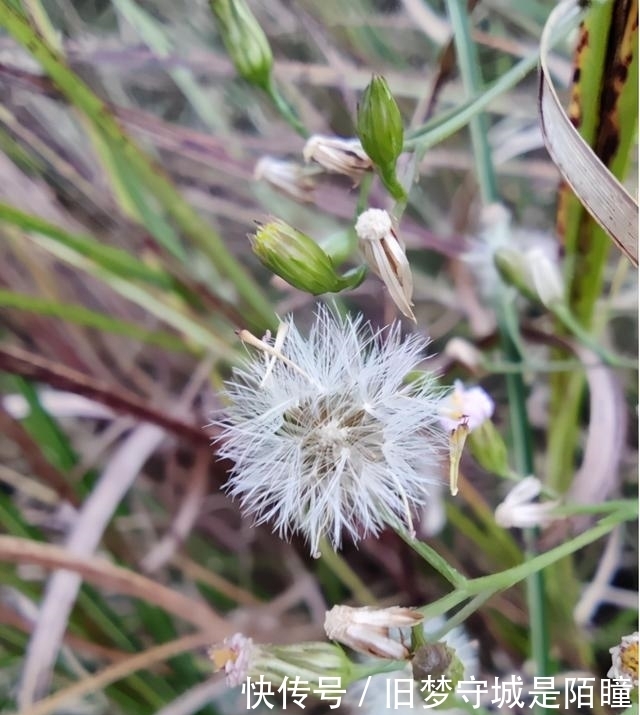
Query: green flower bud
244	40
533	273
489	449
513	270
300	261
381	133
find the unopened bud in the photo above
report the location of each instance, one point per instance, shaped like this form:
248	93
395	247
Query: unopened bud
338	155
383	632
488	448
381	132
545	277
532	273
244	40
298	259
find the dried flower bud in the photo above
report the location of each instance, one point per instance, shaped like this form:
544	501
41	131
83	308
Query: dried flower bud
338	155
437	660
385	254
299	260
373	631
287	176
244	40
520	511
381	132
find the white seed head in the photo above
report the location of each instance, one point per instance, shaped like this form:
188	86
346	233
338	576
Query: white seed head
329	438
373	225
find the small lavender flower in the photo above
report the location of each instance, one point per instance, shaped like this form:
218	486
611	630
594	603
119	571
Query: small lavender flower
327	436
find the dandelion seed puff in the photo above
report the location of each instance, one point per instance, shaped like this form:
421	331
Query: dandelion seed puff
329	438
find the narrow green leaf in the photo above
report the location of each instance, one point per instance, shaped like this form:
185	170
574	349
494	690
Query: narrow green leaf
91	319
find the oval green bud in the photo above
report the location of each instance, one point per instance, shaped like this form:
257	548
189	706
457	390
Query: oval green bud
244	40
381	133
513	270
298	259
489	449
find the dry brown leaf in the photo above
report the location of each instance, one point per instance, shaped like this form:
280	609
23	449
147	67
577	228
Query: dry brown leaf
602	195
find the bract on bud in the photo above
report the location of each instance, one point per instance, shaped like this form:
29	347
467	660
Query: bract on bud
338	155
385	254
244	40
375	631
298	259
379	126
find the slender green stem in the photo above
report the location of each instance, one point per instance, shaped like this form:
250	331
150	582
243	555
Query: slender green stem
469	65
507	368
441	127
508	578
363	195
461	616
486	586
286	112
566	317
433	558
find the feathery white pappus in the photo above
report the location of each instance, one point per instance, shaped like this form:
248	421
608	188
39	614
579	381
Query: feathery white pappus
325	434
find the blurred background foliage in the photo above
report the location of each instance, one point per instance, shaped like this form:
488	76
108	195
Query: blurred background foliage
127	152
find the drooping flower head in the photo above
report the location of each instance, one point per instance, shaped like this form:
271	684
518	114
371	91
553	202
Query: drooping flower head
327	436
